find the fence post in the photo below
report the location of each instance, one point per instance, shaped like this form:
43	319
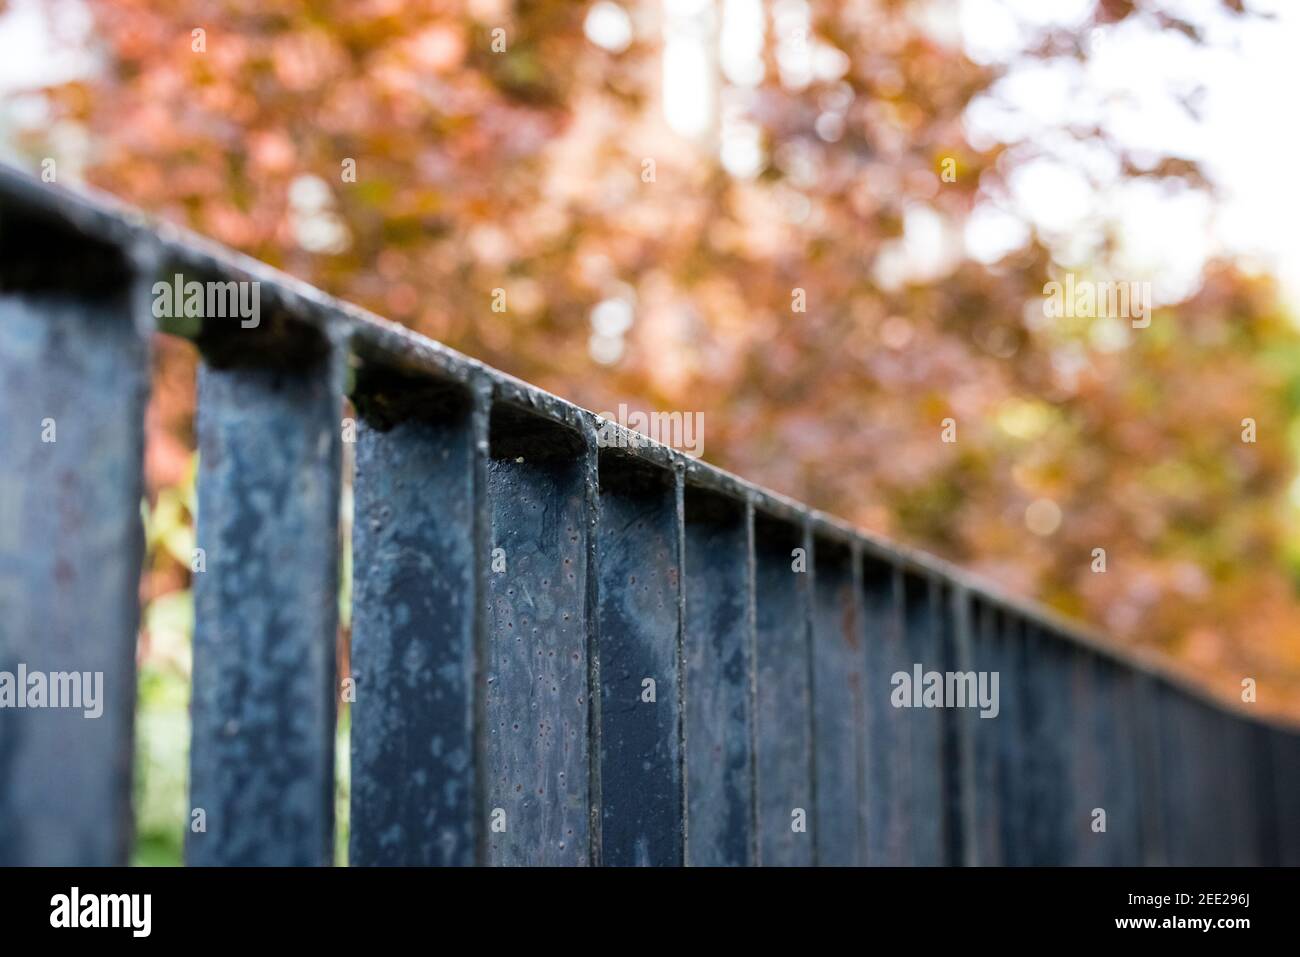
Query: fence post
73	383
964	837
926	803
786	811
718	652
536	739
889	756
641	773
652	675
266	611
415	610
838	690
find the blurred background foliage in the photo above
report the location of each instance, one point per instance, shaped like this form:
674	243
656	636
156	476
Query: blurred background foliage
808	155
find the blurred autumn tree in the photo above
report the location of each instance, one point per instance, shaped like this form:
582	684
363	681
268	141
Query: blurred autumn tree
645	265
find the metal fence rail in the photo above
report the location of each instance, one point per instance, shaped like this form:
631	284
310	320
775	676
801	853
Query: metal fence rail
563	653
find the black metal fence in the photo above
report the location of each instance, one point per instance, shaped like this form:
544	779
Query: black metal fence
563	652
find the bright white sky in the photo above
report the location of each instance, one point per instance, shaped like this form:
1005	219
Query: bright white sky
1248	136
1241	84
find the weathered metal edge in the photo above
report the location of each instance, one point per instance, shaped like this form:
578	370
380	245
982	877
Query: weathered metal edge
100	216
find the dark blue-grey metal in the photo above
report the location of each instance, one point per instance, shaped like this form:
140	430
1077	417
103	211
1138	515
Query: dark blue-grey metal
1247	769
266	614
751	745
889	755
983	842
961	699
413	629
718	645
537	738
1285	749
73	383
922	722
1047	817
786	809
1266	830
641	766
1106	768
1014	736
1071	819
965	832
1180	795
1082	794
839	708
1144	730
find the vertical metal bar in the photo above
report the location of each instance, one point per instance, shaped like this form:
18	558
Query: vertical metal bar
73	384
1210	812
483	812
961	761
1114	762
984	656
266	614
414	599
1267	830
1285	746
1144	720
591	612
953	793
785	806
751	620
923	653
1226	819
1046	726
839	664
1241	776
810	677
1012	740
1088	759
640	762
1063	826
536	664
862	758
719	714
679	508
1178	780
887	745
1172	777
1225	789
1036	760
1257	767
1198	753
